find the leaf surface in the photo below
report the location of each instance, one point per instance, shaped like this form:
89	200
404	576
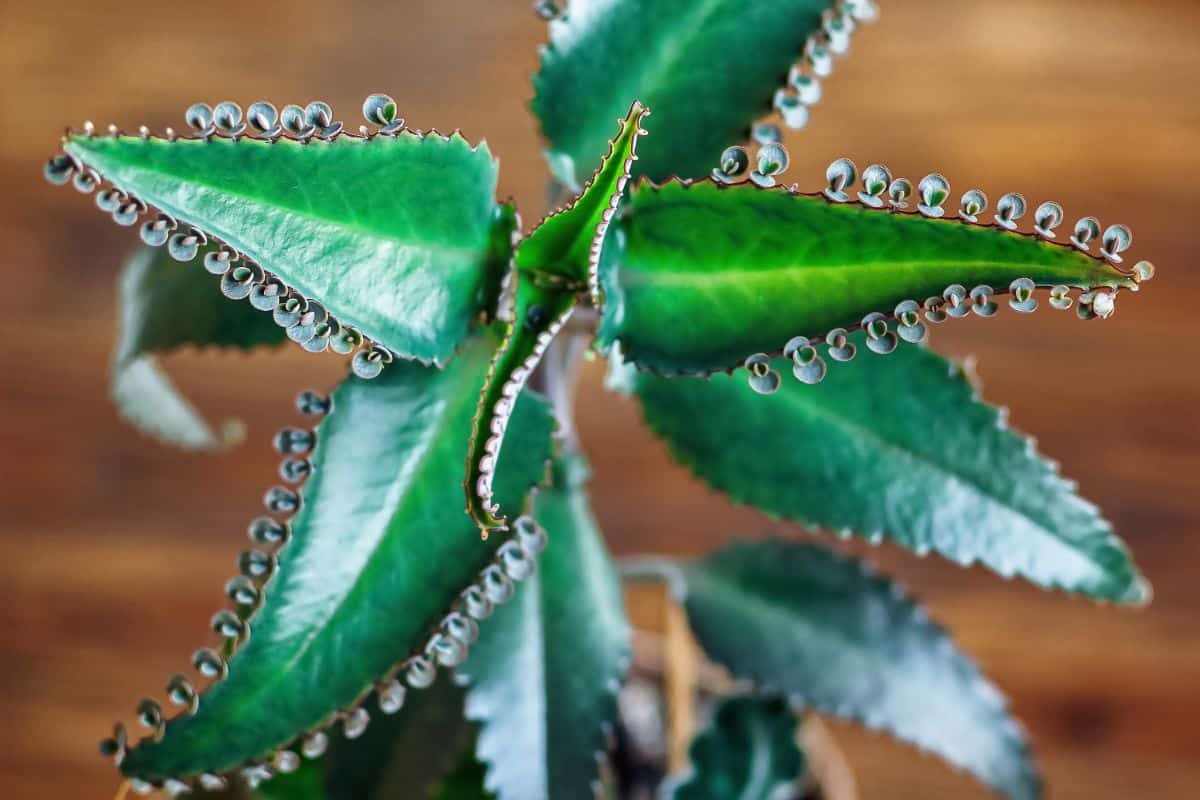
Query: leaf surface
896	447
697	277
465	782
824	630
546	668
567	242
708	68
749	752
539	311
408	754
167	306
554	265
397	236
378	553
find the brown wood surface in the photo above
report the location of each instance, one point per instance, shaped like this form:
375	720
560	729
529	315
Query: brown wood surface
113	550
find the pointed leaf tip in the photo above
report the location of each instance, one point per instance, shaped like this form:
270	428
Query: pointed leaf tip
696	277
957	482
166	306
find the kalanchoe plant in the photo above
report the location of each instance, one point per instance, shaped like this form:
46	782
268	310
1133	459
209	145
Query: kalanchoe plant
694	269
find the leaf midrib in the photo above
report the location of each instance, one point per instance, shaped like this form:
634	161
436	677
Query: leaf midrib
683	277
353	227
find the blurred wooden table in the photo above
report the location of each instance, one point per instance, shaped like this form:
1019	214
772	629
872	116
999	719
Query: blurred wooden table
113	550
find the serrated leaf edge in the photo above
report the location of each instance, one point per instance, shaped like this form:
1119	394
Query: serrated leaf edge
162	228
954	302
419	670
987	692
1138	594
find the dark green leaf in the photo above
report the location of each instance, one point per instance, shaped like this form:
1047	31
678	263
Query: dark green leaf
166	306
708	69
378	553
398	236
696	278
750	752
465	782
824	630
408	754
897	447
546	668
306	783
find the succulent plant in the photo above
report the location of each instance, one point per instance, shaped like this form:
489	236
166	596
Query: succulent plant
432	515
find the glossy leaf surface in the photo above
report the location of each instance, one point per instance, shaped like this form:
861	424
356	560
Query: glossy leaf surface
567	241
400	237
822	629
546	668
696	278
554	265
539	310
708	69
749	752
896	447
167	306
378	552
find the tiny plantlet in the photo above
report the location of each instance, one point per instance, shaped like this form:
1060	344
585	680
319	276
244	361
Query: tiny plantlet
427	607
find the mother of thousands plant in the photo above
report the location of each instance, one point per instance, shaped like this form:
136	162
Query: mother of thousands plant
693	269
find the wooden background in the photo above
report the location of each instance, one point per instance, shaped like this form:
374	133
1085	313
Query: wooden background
113	550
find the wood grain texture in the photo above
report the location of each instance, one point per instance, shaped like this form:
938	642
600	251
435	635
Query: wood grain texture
113	550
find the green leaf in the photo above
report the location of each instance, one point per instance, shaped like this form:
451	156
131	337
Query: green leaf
749	752
465	782
554	264
708	69
408	754
306	783
545	671
698	277
166	306
897	447
824	630
397	236
539	311
567	242
379	551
